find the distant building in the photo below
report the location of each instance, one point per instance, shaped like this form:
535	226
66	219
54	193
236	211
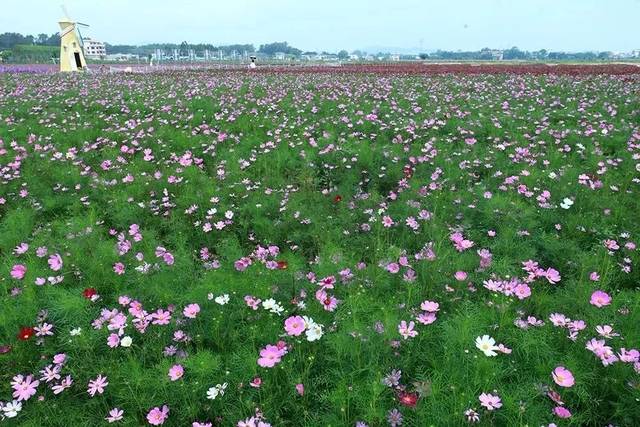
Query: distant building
280	56
497	55
125	57
93	48
636	53
394	57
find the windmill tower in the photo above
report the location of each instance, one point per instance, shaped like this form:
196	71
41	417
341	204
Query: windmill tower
71	46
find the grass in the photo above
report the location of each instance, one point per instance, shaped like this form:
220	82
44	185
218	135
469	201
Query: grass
313	163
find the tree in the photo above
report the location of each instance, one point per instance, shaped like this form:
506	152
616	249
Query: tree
42	39
272	48
343	54
423	56
184	49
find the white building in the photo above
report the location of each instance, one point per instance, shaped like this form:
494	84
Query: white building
93	48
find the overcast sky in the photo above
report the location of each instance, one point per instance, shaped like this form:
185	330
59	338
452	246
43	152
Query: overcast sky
571	25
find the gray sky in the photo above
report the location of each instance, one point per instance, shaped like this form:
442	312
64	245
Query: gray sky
570	25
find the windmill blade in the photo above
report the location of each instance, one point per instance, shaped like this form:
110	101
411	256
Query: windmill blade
81	39
64	10
84	25
67	30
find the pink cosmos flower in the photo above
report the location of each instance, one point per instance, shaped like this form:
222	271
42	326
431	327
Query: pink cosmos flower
55	262
460	276
430	306
561	412
406	330
300	389
600	299
563	377
176	372
113	341
24	387
393	267
269	356
158	416
97	386
294	325
552	275
490	401
118	268
191	311
18	271
114	415
522	291
594	276
426	318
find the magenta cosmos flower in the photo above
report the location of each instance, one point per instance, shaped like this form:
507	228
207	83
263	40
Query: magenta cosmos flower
563	377
294	325
158	416
18	271
270	356
561	412
600	299
490	401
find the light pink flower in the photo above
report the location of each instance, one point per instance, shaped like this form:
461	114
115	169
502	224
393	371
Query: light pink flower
114	415
460	276
406	330
18	271
294	325
157	416
490	401
271	355
563	377
176	372
191	310
300	389
118	268
24	387
55	262
97	386
600	299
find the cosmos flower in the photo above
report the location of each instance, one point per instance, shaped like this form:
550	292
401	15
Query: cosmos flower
487	345
158	416
490	401
563	377
114	415
294	325
600	299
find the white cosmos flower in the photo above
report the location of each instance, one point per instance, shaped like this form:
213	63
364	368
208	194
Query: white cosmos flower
487	345
215	391
126	341
11	409
222	299
566	203
314	330
75	332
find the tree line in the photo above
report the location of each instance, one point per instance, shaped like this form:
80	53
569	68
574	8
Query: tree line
9	41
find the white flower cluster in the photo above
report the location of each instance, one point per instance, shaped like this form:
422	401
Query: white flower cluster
313	330
215	391
10	409
273	306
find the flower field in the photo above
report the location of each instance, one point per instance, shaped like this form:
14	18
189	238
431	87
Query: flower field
364	246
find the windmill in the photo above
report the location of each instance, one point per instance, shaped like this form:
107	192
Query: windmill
71	44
